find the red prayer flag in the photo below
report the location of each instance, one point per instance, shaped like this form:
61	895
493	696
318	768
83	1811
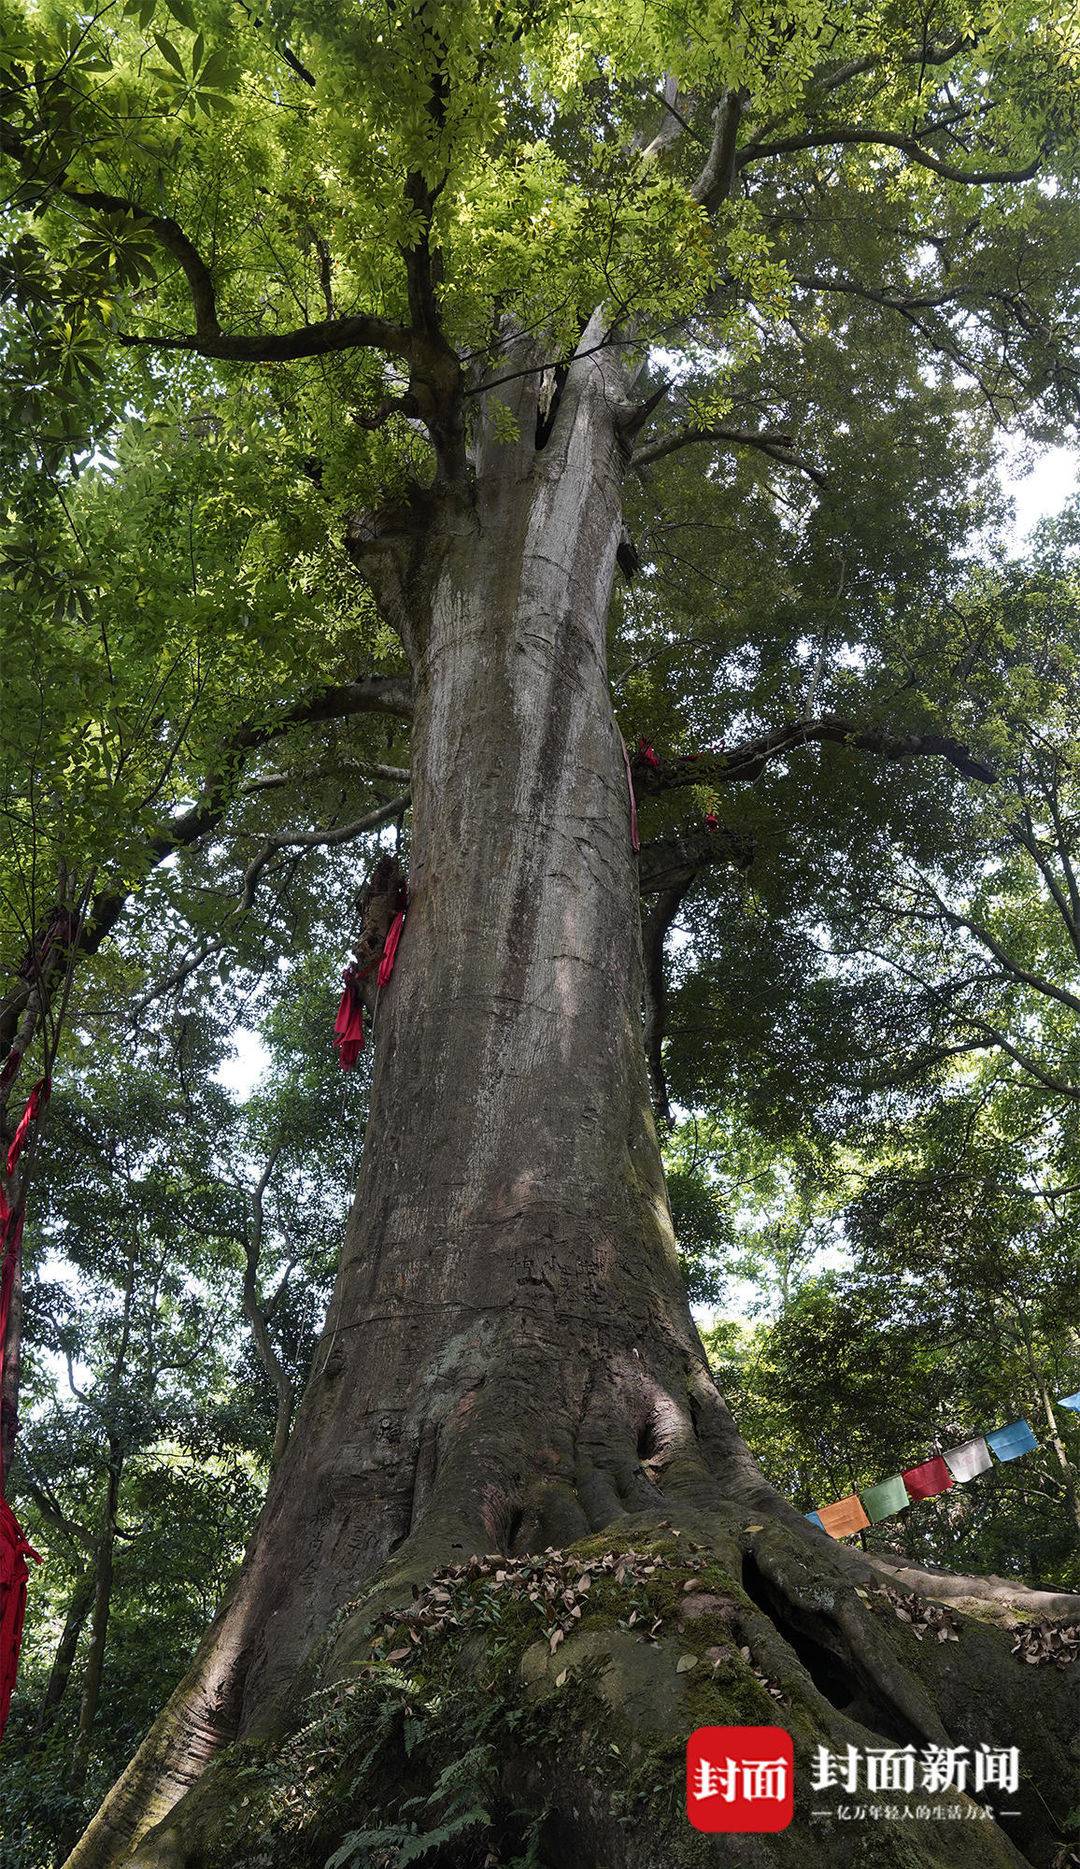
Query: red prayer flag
390	948
35	1102
647	752
14	1571
925	1481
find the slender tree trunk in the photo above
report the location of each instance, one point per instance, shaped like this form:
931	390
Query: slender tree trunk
99	1632
82	1598
1068	1477
509	1360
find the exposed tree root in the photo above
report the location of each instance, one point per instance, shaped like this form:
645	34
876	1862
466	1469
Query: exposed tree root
718	1619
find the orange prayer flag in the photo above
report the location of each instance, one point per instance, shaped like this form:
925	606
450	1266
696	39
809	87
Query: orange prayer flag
843	1518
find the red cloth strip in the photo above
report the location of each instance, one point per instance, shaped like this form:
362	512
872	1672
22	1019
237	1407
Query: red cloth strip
349	1024
35	1102
930	1478
648	752
390	948
635	841
11	1231
14	1572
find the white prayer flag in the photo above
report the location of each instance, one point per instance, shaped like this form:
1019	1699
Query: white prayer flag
969	1460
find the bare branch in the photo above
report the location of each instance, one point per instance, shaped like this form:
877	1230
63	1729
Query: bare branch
673	862
777	447
745	763
1011	968
884	139
714	184
309	840
655	923
361	332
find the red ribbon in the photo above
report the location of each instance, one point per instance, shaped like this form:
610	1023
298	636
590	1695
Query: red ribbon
349	1024
647	752
14	1549
14	1572
390	948
35	1102
635	841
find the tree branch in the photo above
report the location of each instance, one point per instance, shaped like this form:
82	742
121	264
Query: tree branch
309	840
777	447
884	139
746	762
372	694
1010	967
655	923
714	184
360	332
674	861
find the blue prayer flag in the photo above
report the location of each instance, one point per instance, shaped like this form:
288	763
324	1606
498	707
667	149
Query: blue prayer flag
814	1520
1010	1442
1070	1401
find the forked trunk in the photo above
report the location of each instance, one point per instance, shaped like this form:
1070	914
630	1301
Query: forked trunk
508	1361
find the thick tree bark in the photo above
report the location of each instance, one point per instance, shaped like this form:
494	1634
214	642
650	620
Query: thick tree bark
508	1361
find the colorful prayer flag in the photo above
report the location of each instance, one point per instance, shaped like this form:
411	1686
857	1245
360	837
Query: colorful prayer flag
925	1481
887	1497
1070	1401
1010	1442
814	1520
844	1517
968	1460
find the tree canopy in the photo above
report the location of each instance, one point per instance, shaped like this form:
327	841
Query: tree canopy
266	276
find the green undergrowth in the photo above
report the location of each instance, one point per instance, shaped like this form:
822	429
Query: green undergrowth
488	1691
533	1713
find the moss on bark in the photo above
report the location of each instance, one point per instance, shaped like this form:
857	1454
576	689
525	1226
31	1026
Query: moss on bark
465	1730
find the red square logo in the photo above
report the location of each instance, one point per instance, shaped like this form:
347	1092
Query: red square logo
740	1778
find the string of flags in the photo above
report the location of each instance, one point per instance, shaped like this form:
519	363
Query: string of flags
931	1477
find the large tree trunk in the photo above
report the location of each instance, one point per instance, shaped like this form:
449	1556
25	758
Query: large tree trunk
509	1361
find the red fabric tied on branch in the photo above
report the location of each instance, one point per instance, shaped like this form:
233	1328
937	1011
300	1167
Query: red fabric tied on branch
11	1229
349	1024
35	1103
390	948
712	822
10	1066
925	1481
14	1571
647	752
14	1549
635	841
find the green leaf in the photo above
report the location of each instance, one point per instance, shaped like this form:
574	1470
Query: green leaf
168	51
